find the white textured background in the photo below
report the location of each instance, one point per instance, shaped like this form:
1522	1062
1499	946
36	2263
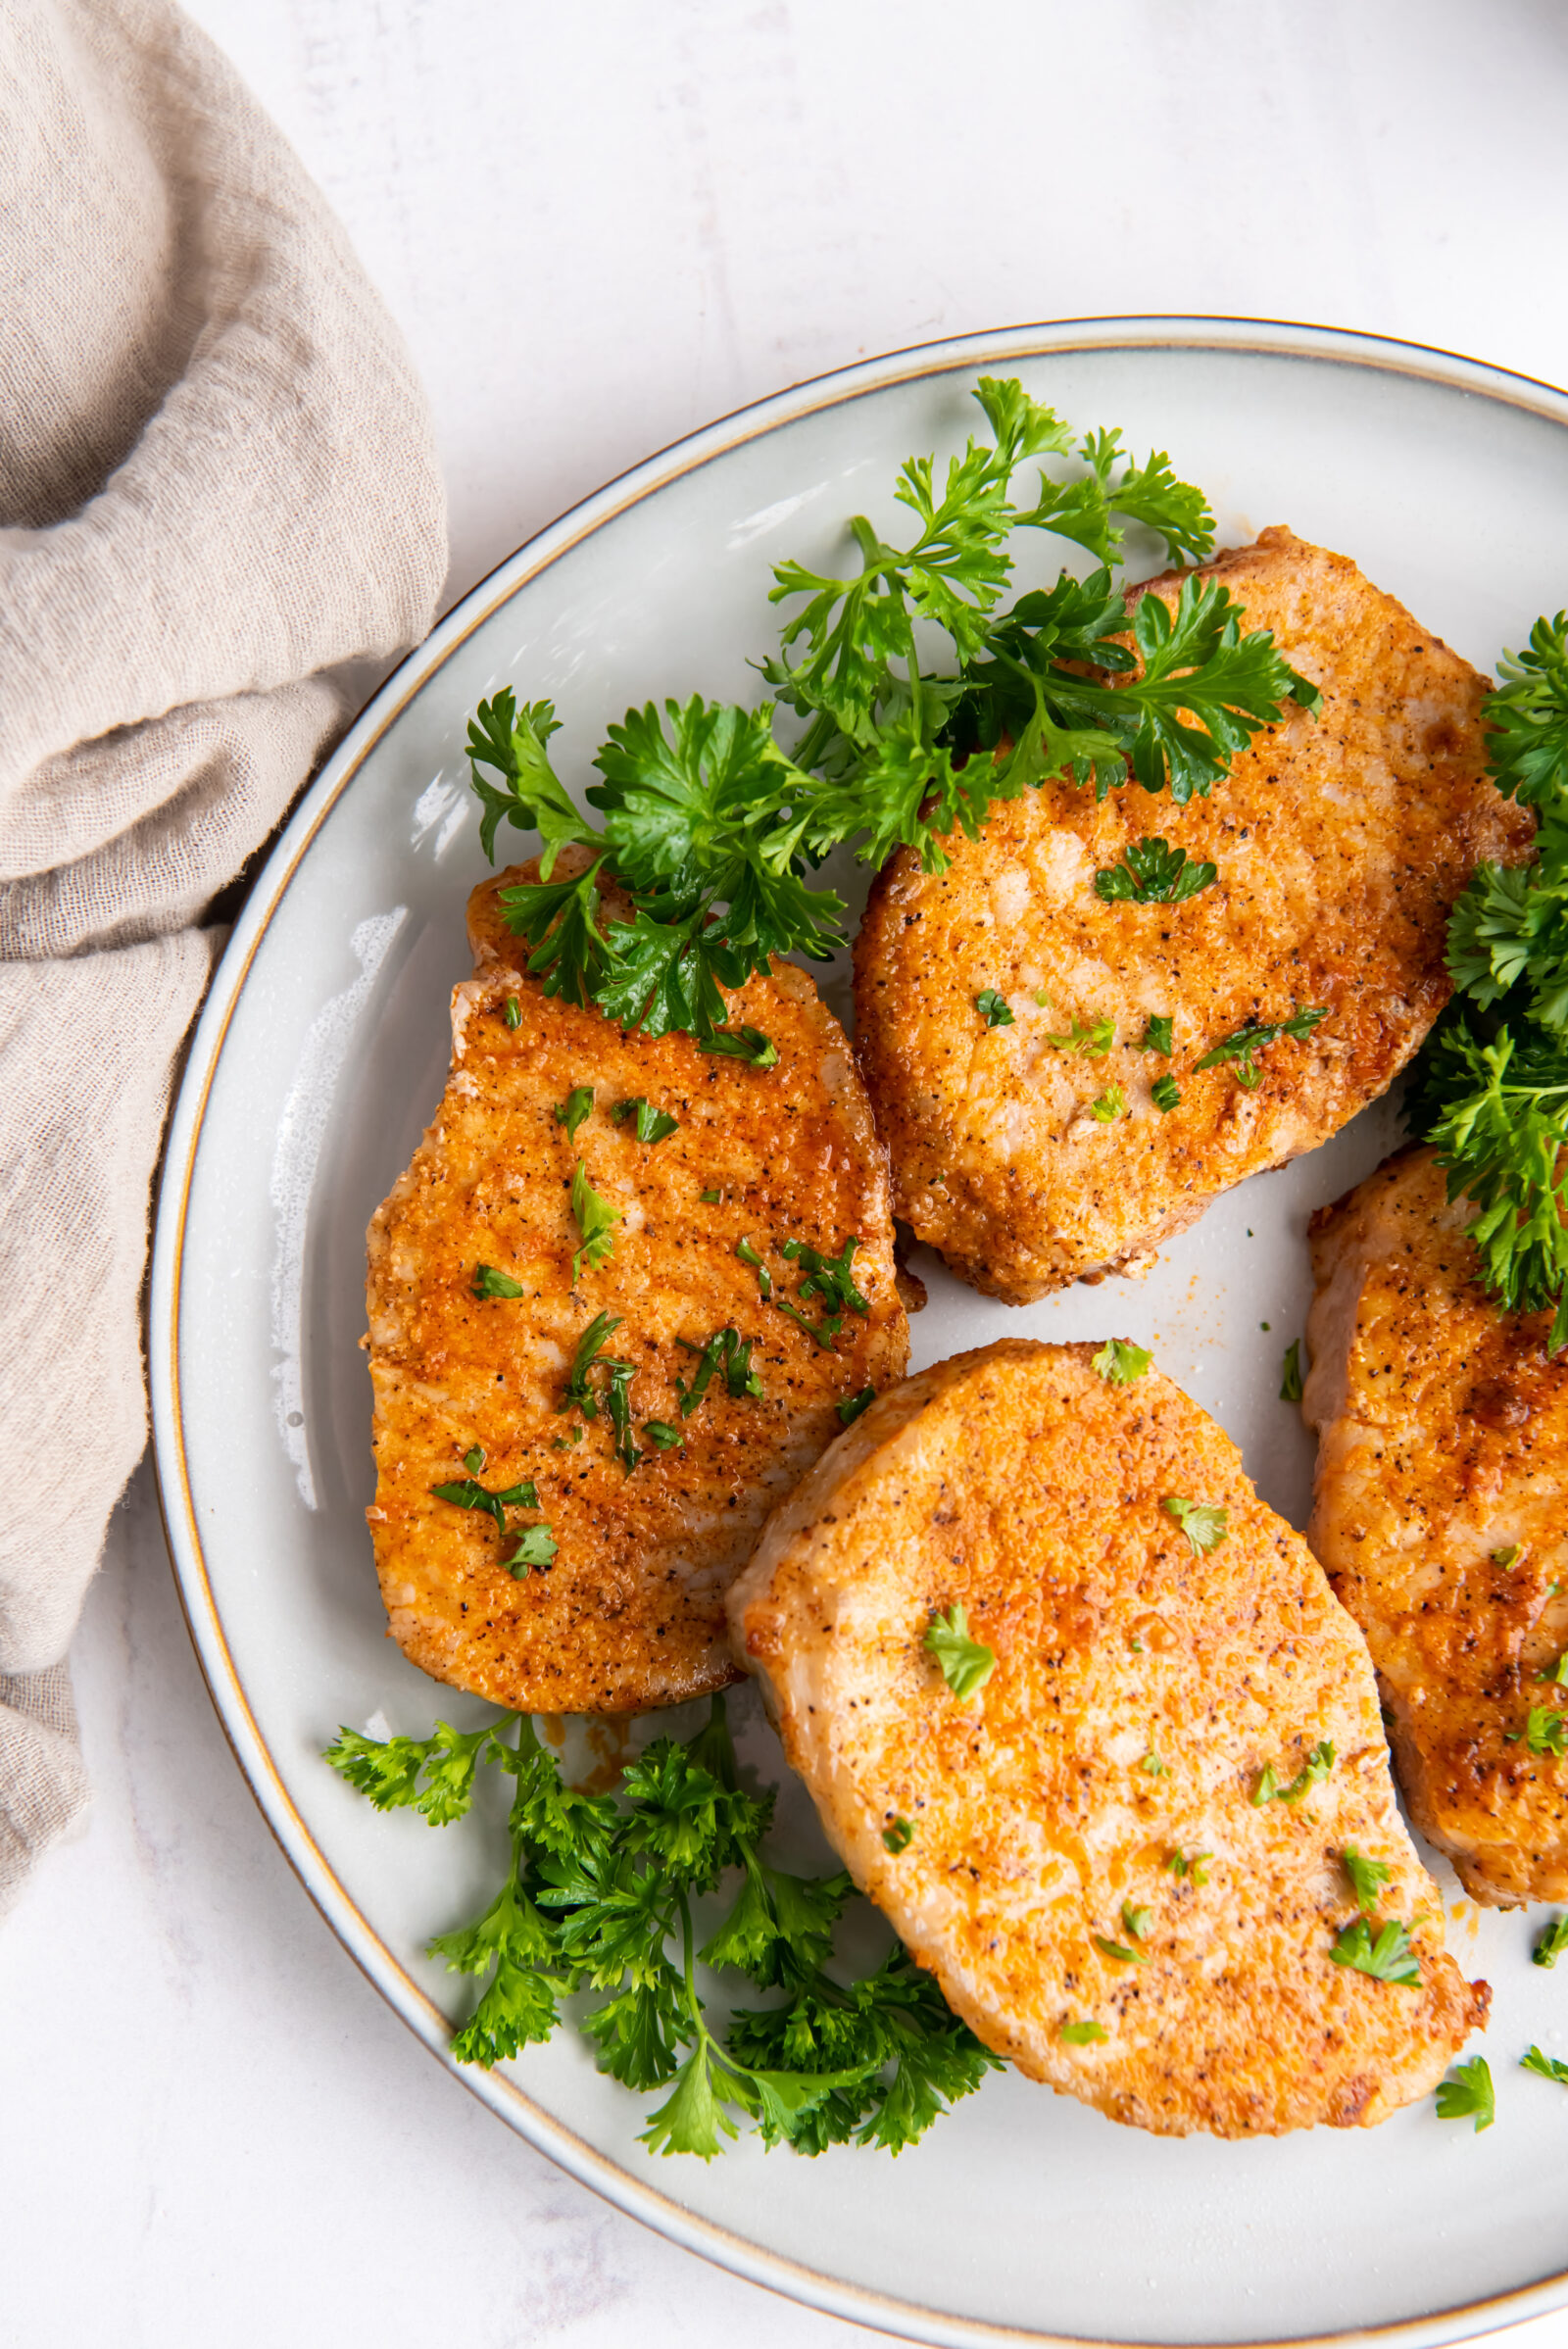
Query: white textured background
600	225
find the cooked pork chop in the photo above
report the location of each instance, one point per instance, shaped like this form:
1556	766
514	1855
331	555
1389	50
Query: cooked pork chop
1089	1871
629	1612
1441	1515
1341	840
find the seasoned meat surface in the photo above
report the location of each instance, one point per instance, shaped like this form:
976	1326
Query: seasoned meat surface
1441	1516
1341	843
630	1611
1141	1691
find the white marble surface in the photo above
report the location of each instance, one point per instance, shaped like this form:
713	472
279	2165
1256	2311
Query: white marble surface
600	225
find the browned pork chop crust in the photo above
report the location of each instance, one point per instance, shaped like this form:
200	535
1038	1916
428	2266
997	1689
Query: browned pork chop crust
630	1613
1341	840
1139	1693
1441	1515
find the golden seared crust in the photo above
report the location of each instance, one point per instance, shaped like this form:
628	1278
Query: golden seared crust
1442	1442
630	1613
1342	842
1014	1481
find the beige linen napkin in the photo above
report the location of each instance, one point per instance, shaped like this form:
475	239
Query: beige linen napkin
217	481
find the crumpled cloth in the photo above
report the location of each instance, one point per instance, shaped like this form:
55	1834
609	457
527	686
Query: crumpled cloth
218	482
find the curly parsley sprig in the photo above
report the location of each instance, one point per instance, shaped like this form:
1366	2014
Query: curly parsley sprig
1490	1090
598	1897
713	827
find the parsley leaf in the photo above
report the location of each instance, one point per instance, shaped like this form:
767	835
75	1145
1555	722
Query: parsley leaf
1090	1040
850	1410
1527	718
1119	1951
1204	1524
578	1105
1468	2092
1190	1863
595	1218
1558	1675
1387	1958
512	1013
653	1125
828	1277
433	1774
1119	1362
1150	872
966	1665
1549	2067
897	1835
1110	1104
992	1008
1551	1944
1291	1374
1314	1770
1164	1092
727	1354
1545	1731
1158	1036
1241	1049
1083	2035
1366	1876
512	739
487	1281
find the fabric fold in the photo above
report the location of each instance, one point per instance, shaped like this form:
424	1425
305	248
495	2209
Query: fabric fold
217	483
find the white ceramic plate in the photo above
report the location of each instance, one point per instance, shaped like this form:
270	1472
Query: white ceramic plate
321	1053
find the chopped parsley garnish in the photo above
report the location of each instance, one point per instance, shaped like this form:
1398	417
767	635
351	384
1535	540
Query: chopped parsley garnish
596	1220
1510	1557
1545	1731
850	1410
577	1394
727	1355
474	1460
1366	1876
1119	1951
1387	1958
820	1332
1319	1762
742	1044
617	1404
487	1281
653	1125
1205	1524
1150	872
992	1008
1551	1944
1559	1674
1549	2067
897	1835
1119	1362
1190	1863
661	1434
748	1255
1240	1051
1112	1102
536	1547
1467	2092
966	1665
713	822
828	1277
1083	2035
1164	1092
1136	1922
710	1198
1158	1036
1291	1379
1091	1042
578	1105
598	1896
512	1013
1151	1766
